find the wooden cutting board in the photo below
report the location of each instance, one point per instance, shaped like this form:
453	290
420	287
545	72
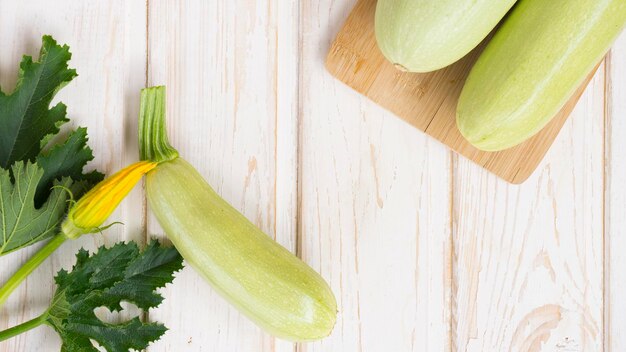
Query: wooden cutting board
428	100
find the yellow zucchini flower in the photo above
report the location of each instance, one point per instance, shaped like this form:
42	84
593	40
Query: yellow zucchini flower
92	209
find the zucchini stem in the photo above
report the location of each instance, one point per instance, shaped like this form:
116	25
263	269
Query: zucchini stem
29	267
153	142
22	328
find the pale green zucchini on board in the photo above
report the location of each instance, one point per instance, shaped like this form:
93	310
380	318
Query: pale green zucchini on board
535	62
426	35
265	281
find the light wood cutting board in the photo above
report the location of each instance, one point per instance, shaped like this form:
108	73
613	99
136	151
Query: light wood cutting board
428	101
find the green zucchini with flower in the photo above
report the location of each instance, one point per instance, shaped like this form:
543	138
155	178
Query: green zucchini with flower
265	281
261	278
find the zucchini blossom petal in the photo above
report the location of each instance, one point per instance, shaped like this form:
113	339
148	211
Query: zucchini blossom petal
91	211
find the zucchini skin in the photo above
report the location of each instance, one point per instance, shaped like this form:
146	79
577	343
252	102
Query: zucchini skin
426	35
532	66
265	281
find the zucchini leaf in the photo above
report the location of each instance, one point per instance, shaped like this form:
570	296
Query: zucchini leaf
66	160
105	279
31	209
26	119
21	224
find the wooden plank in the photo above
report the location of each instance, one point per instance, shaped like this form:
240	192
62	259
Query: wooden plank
375	208
528	260
615	195
231	74
286	66
107	39
428	101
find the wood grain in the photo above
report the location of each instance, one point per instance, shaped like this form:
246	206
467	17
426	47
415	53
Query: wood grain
615	199
428	101
107	39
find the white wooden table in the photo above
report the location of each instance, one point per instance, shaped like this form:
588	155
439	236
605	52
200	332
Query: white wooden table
424	250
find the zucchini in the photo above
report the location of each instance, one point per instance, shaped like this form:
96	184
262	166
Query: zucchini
535	62
426	35
265	281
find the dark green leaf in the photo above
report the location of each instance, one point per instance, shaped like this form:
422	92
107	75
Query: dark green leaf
66	160
112	275
27	124
21	224
25	115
